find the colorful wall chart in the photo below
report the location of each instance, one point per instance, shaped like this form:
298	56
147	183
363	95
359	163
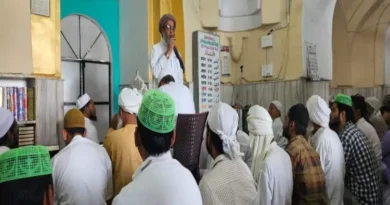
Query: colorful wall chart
206	70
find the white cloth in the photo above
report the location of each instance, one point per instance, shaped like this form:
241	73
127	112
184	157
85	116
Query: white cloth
275	184
3	149
181	95
91	131
373	102
328	145
159	62
82	174
319	111
277	127
245	148
223	121
6	121
260	134
372	137
160	180
130	100
229	182
82	101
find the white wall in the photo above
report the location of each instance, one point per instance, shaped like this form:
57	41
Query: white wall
317	20
133	39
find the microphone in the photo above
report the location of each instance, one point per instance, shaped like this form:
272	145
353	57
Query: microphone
178	57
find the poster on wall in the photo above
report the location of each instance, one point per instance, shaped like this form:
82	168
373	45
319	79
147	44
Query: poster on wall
311	61
225	60
206	70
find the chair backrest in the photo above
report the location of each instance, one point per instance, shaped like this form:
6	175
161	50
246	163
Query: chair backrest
189	136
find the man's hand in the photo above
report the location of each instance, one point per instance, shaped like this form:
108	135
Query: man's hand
171	45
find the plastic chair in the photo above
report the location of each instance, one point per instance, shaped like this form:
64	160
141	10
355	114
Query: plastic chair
189	136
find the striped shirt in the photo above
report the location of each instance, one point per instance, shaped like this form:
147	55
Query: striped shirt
361	170
309	179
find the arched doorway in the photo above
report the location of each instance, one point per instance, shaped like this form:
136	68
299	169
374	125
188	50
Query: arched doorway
86	67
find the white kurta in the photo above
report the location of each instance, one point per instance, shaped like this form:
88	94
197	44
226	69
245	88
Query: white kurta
82	174
182	97
163	181
277	127
245	148
328	145
91	131
275	184
159	62
229	182
3	149
372	137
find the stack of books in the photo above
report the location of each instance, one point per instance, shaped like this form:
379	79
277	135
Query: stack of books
19	100
26	135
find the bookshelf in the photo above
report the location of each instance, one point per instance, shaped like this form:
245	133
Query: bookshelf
37	104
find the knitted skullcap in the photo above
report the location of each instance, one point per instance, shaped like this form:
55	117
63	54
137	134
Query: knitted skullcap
24	162
343	99
157	112
74	118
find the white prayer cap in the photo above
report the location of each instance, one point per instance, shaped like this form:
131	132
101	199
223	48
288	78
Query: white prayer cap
82	101
373	102
278	105
6	121
223	121
259	121
319	112
130	100
163	73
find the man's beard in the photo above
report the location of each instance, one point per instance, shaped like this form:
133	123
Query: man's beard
286	132
334	124
208	147
93	118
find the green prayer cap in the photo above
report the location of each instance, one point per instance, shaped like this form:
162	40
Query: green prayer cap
24	162
157	112
343	99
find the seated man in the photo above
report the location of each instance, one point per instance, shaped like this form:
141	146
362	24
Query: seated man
160	179
180	93
275	110
361	181
30	184
328	145
229	182
272	167
9	135
120	143
82	171
309	179
88	108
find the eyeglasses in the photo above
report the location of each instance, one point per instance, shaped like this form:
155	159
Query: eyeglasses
170	28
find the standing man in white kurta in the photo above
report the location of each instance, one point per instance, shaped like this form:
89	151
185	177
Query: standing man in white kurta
328	145
164	55
86	105
82	172
181	94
